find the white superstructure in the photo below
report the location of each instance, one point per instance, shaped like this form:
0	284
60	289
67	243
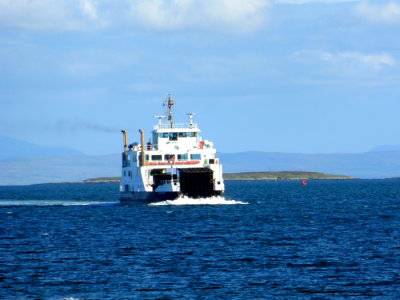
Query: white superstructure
177	161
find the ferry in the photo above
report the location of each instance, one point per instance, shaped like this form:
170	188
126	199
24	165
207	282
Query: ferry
175	162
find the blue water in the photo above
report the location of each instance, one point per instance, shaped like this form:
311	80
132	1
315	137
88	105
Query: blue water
329	239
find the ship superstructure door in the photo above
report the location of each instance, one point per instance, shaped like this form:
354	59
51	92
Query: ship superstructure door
196	182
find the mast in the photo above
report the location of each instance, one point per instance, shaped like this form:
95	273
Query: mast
169	102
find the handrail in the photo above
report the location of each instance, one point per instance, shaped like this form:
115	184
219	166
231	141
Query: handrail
159	163
175	125
167	181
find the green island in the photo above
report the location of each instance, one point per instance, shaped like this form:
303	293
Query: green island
102	180
282	175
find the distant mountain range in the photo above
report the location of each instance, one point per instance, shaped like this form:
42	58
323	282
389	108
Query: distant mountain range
25	163
29	170
11	148
65	168
386	148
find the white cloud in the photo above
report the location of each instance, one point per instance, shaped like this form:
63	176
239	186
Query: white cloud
145	87
240	16
89	9
79	69
50	15
388	13
313	1
348	61
372	61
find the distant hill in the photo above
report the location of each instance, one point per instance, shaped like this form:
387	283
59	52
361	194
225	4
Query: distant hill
360	165
67	168
11	148
28	170
283	175
103	180
386	148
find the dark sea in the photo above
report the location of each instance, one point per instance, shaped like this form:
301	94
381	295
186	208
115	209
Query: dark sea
266	240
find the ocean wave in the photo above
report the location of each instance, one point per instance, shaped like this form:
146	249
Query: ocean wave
198	201
53	203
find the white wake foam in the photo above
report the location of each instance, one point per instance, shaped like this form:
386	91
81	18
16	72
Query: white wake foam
52	203
183	200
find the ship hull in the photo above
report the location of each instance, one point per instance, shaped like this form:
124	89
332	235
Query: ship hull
149	197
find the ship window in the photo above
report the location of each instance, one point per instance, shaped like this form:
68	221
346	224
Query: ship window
156	157
192	134
173	136
182	134
183	157
130	174
126	187
157	172
195	156
147	157
163	135
169	157
211	161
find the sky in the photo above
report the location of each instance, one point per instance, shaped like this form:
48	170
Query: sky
306	76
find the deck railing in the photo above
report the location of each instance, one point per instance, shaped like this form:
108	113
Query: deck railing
175	125
168	181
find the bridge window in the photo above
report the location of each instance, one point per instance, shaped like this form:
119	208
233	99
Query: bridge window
169	157
163	134
191	134
156	157
182	134
195	156
173	136
183	157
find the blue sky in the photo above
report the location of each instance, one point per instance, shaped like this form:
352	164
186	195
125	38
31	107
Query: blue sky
288	76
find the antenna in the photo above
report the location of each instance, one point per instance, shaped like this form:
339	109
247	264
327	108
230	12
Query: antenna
160	119
190	119
169	102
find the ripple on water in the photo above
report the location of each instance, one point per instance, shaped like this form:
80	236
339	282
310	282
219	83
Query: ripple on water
329	240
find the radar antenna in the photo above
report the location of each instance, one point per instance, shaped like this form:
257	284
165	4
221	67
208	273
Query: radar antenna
169	102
